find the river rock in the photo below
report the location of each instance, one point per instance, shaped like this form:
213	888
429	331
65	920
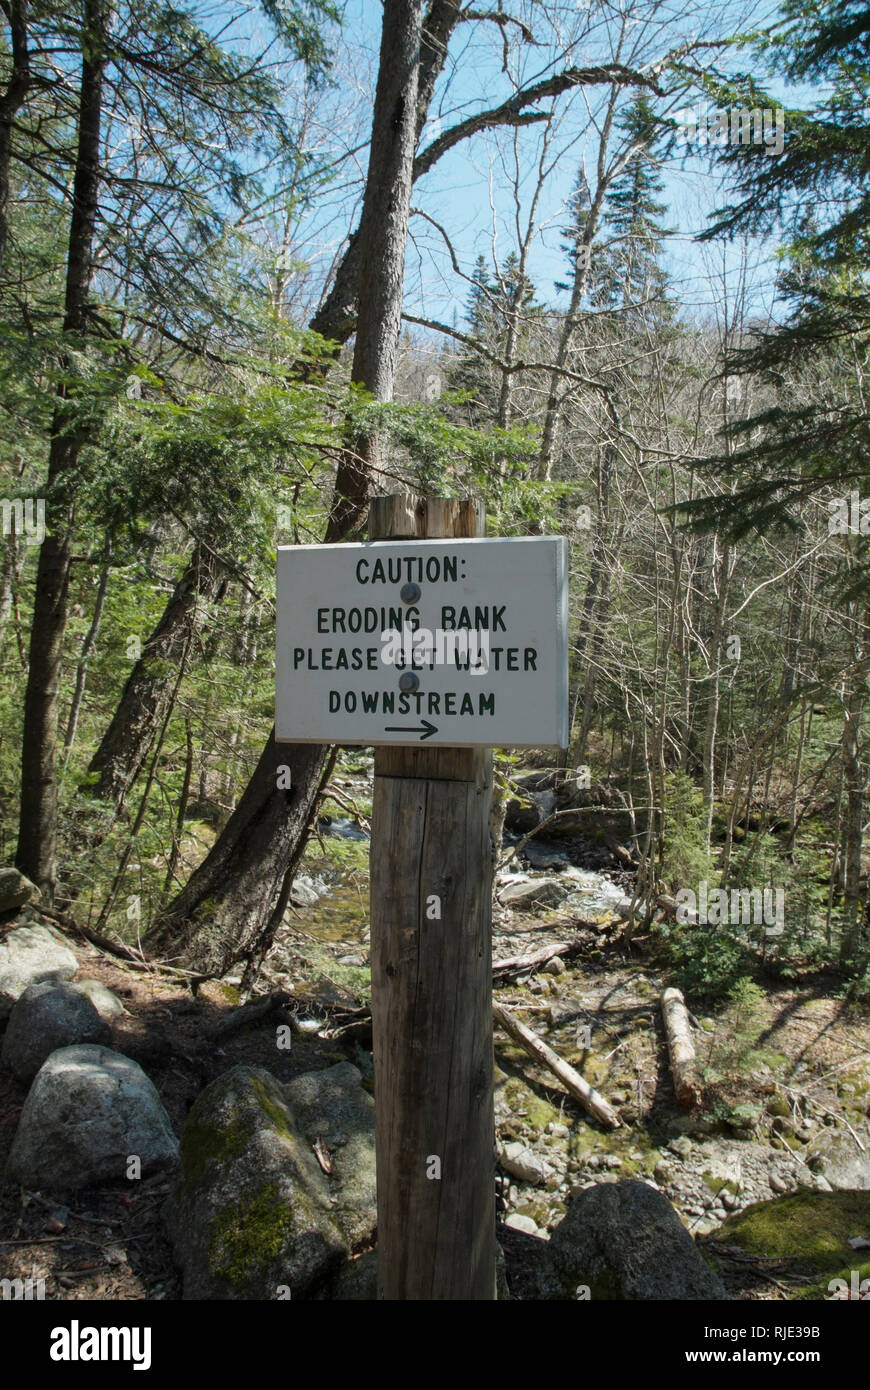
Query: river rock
539	892
302	894
88	1111
47	1017
541	858
563	1011
625	1241
522	816
15	890
517	1222
524	1164
29	955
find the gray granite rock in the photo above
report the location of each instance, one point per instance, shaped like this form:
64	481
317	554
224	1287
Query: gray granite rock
28	956
47	1017
87	1114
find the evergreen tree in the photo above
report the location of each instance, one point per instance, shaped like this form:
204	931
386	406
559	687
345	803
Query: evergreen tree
817	434
629	275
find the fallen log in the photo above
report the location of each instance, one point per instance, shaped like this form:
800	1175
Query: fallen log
587	1095
681	1048
136	960
518	965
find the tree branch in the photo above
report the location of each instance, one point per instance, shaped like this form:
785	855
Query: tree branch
509	367
496	17
512	111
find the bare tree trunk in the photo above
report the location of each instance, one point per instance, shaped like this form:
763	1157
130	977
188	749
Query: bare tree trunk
336	317
84	661
234	901
382	241
37	835
125	745
720	571
596	597
219	915
8	579
853	781
11	102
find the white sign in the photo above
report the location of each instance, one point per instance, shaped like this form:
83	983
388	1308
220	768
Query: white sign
459	642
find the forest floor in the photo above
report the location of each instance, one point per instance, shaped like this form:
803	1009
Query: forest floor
780	1078
810	1050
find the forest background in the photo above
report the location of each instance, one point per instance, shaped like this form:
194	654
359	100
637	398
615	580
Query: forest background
610	330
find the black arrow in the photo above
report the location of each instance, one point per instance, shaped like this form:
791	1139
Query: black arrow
413	729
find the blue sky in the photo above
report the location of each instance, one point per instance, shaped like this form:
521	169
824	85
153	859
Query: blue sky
470	191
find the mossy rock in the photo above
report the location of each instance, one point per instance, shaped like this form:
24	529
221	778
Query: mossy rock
332	1106
779	1105
809	1233
252	1211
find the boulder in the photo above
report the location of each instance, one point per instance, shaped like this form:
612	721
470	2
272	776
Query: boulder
88	1112
538	802
332	1110
253	1211
29	955
837	1158
625	1241
529	1269
47	1017
107	1004
15	890
538	892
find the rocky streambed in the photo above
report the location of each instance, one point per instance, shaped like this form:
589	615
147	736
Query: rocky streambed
756	1140
768	1177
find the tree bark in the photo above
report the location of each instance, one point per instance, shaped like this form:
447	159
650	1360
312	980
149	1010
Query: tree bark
382	240
233	903
11	102
37	836
336	317
130	735
221	913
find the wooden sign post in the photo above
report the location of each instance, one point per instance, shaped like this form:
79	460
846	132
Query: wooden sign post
428	571
431	894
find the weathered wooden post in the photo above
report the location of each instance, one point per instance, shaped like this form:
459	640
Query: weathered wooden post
472	655
431	954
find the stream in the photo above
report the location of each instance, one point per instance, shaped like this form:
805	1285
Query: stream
341	914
